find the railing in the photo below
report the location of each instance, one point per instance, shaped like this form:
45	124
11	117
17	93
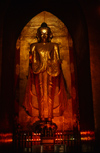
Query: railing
60	142
26	141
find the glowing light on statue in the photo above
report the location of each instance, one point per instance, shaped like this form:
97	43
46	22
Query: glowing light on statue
44	30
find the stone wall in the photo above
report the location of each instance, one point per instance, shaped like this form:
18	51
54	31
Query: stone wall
92	15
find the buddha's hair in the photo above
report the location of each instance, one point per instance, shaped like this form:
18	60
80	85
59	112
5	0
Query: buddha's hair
44	24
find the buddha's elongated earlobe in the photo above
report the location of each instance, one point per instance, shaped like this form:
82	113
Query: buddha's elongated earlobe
37	36
51	36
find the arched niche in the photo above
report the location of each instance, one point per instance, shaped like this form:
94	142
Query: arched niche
28	36
16	17
60	36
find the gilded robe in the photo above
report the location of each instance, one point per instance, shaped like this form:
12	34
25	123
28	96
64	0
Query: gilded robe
46	75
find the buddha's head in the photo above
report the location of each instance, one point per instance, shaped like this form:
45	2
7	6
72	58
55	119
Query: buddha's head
44	33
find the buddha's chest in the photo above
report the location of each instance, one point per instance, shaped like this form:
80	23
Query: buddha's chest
44	50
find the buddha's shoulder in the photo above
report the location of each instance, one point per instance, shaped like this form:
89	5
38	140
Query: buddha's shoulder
47	44
55	44
33	44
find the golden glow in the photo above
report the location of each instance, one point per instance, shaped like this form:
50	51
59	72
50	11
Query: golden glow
6	137
87	132
87	135
60	36
44	30
6	140
33	139
5	134
58	139
87	138
58	133
36	133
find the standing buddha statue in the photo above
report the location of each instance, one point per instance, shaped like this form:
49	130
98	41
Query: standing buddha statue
46	73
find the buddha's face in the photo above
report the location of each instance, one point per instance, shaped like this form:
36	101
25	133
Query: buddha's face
44	35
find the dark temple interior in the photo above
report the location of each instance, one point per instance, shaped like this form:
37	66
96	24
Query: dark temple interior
66	123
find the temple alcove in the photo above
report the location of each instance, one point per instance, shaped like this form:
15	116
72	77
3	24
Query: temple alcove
15	15
60	36
73	18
